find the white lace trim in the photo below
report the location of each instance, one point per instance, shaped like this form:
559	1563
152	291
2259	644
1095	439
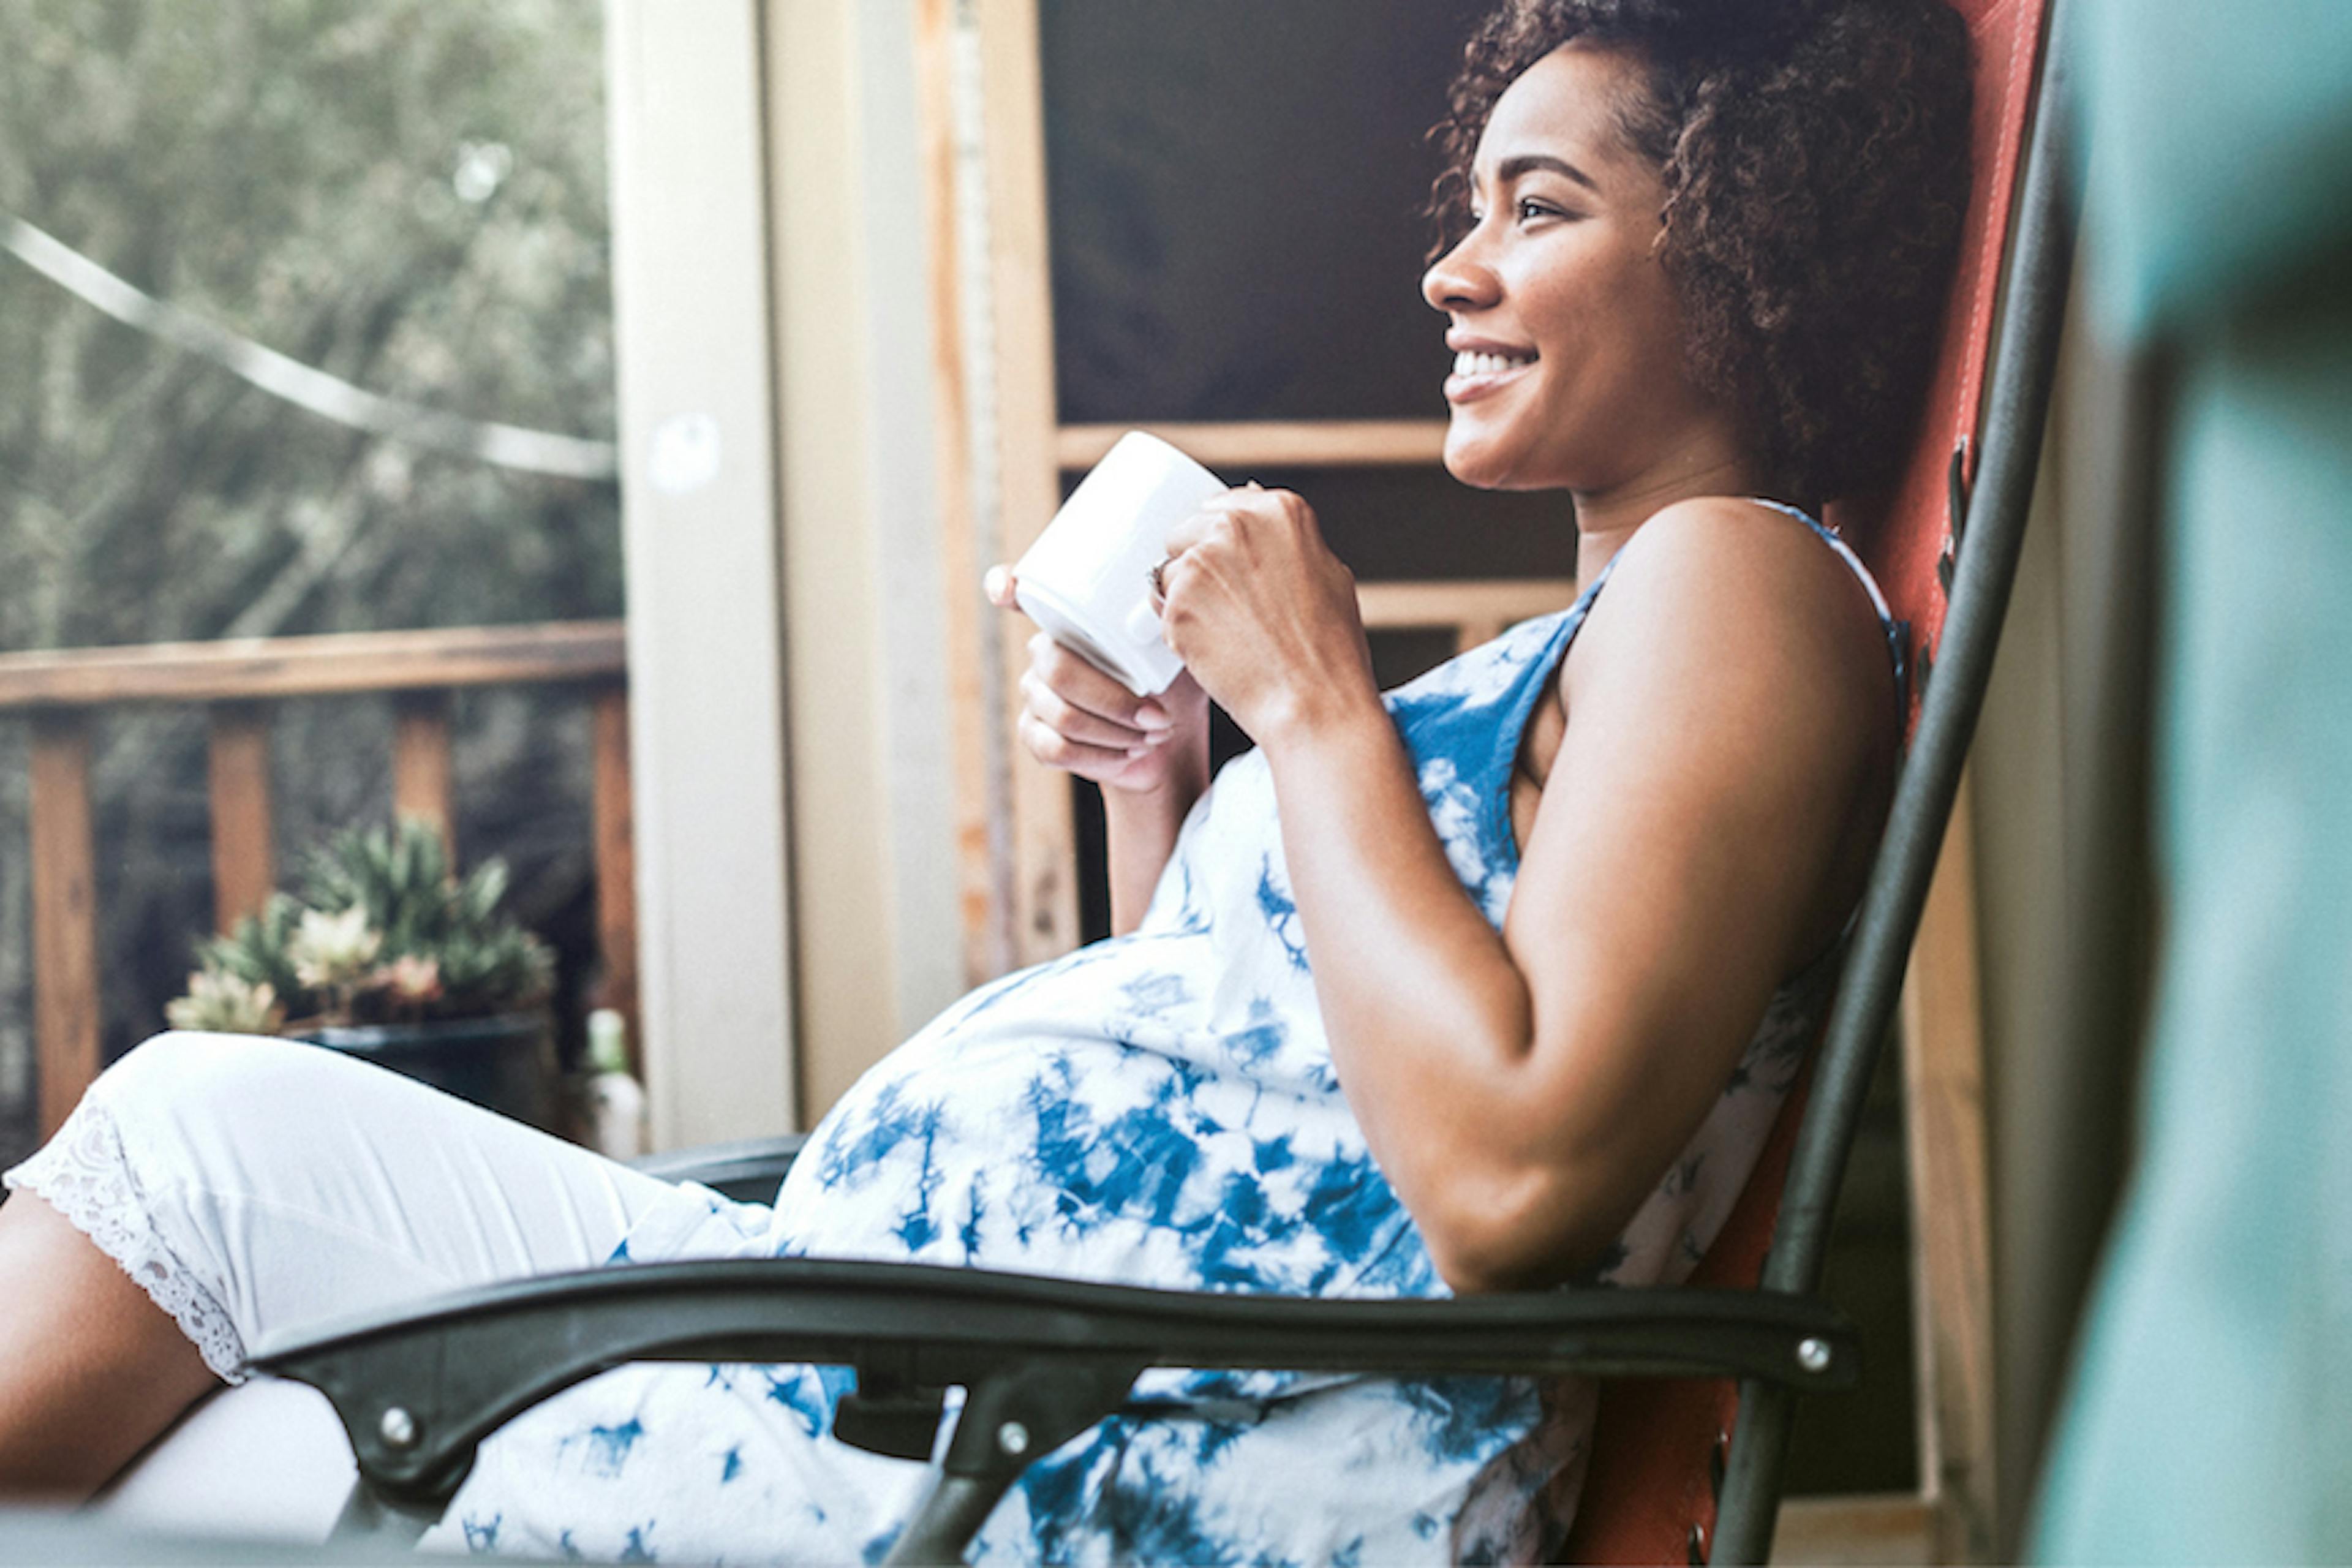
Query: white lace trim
81	1172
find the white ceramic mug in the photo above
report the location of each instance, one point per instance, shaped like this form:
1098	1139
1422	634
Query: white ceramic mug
1088	580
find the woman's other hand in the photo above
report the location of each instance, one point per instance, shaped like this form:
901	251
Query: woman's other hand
1076	718
1263	615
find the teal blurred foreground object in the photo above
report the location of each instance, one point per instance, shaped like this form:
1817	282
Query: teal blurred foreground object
2212	1415
2222	136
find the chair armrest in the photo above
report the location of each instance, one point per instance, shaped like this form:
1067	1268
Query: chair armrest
749	1171
416	1390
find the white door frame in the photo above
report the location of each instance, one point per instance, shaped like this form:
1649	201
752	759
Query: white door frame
699	509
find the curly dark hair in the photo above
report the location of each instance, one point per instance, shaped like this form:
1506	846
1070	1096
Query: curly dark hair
1816	163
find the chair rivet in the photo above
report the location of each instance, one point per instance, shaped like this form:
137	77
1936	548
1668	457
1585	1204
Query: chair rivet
1695	1547
398	1428
1013	1438
1813	1355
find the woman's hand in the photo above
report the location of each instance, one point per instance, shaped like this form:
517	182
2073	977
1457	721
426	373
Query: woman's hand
1077	718
1263	615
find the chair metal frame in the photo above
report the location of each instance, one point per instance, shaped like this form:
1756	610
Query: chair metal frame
1988	533
1041	1360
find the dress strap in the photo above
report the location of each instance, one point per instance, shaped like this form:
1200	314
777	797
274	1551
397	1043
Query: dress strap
1898	633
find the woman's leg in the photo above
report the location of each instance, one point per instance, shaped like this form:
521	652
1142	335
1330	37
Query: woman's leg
91	1369
211	1189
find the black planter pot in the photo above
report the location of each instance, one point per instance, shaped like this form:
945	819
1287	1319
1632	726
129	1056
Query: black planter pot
505	1063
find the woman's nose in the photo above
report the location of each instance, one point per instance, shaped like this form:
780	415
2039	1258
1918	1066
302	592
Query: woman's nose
1460	279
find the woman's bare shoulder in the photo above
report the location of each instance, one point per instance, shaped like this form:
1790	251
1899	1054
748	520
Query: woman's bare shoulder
1739	552
1731	732
1726	589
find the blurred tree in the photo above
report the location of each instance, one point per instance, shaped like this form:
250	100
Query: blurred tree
407	194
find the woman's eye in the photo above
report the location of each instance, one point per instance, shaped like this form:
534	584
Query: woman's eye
1529	208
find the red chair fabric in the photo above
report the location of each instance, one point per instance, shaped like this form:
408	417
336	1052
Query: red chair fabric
1906	535
1649	1495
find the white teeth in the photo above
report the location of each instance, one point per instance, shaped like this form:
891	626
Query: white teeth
1468	364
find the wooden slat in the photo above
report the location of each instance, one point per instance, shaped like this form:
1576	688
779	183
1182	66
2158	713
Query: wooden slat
612	807
1944	1112
1044	881
1469	607
1896	1528
65	917
420	762
245	867
985	916
1470	634
1298	443
261	668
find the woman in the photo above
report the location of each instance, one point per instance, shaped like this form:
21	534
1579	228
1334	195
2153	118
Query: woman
1492	982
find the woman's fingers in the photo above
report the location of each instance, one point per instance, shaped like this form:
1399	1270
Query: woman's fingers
1193	530
1085	703
1217	510
1054	749
1073	722
1075	716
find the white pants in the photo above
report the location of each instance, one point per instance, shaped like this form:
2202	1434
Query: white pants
255	1185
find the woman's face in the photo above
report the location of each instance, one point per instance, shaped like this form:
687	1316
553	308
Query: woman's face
1566	336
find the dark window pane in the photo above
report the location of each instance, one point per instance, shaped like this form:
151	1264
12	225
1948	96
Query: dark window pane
1408	652
1418	523
1412	523
1234	191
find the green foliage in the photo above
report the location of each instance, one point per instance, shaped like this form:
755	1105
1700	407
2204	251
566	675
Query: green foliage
255	949
223	1004
408	193
384	931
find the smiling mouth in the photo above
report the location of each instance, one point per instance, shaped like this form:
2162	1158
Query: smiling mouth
1478	373
1468	364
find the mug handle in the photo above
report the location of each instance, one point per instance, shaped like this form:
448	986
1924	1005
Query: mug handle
1142	623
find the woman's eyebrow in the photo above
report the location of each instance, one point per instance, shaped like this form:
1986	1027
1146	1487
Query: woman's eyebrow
1528	163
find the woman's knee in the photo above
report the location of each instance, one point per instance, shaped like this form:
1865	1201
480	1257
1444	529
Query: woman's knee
182	1073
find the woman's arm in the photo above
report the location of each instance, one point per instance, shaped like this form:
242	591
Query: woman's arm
1141	827
1523	1090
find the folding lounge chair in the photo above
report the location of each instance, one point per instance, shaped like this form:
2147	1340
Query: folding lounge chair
1042	1360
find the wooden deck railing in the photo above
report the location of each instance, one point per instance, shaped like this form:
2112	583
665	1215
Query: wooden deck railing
60	692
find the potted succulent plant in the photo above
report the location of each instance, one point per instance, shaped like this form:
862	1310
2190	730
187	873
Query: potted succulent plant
388	955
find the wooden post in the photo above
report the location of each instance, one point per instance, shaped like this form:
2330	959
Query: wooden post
420	762
1943	1071
244	867
612	809
65	917
1045	832
982	846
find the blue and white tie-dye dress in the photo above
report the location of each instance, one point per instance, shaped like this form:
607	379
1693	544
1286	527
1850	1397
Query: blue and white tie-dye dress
1156	1109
